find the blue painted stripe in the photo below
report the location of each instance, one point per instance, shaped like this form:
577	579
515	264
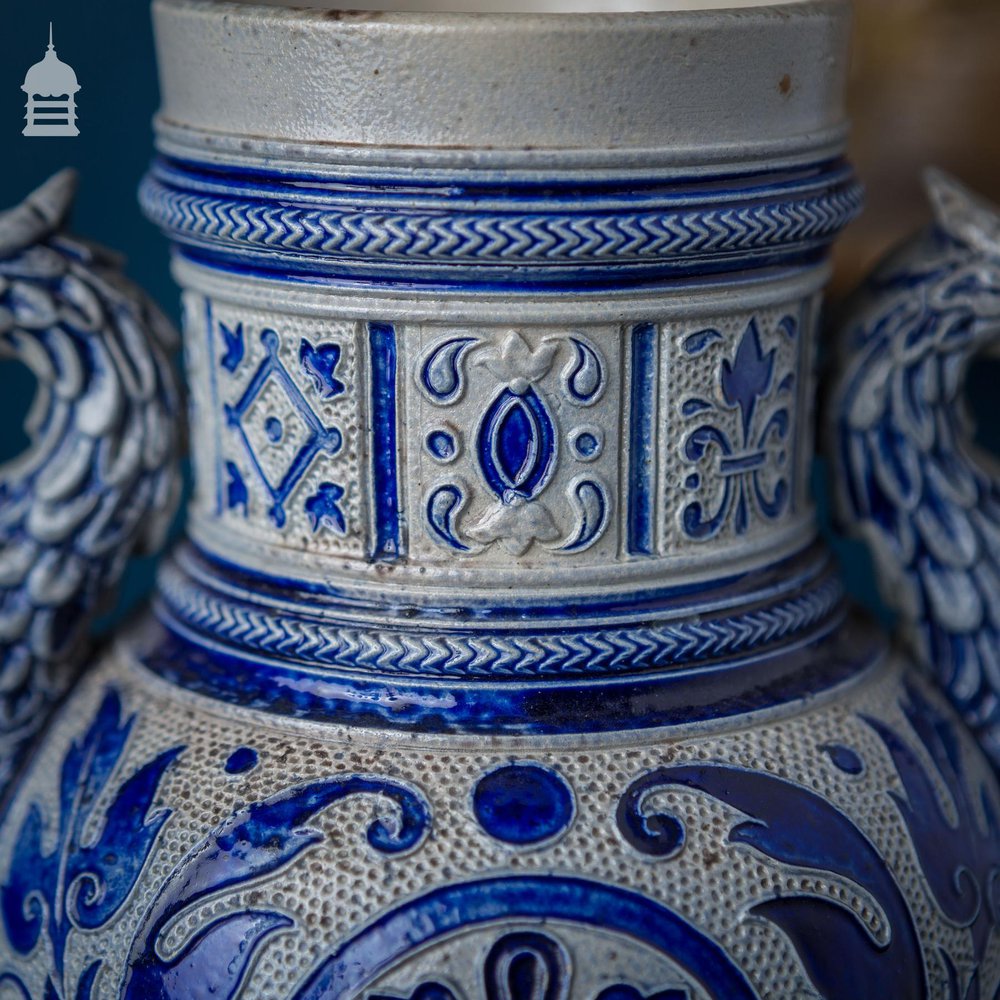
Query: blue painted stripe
385	478
641	444
214	416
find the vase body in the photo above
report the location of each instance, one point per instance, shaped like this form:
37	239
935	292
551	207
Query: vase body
501	659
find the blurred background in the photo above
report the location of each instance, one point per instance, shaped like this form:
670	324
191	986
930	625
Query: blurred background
925	88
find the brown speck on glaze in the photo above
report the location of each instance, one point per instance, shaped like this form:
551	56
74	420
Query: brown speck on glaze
785	86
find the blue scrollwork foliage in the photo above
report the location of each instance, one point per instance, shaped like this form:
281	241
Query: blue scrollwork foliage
257	840
84	878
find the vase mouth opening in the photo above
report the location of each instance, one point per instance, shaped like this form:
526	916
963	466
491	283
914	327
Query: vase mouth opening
527	6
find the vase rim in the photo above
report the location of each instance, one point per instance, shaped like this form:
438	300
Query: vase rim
739	85
541	8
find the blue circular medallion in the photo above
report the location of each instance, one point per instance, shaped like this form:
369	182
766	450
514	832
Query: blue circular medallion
522	803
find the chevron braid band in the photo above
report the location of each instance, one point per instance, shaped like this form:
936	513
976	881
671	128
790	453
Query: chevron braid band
741	229
451	651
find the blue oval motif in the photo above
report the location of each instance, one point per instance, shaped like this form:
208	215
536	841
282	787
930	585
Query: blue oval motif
584	375
516	444
522	803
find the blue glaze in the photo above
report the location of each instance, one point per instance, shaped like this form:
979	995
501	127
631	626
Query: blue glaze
516	444
320	438
441	445
586	444
237	497
533	966
441	911
786	577
632	702
584	378
375	229
746	384
441	372
255	841
792	824
241	760
522	803
234	344
324	509
593	505
641	469
443	506
385	487
320	364
60	877
273	429
960	856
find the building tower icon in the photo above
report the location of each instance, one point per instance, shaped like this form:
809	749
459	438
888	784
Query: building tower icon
51	87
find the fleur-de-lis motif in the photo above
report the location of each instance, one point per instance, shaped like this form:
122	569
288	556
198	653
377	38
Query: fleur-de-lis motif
743	459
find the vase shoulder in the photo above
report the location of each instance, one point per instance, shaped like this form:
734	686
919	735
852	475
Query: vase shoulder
817	851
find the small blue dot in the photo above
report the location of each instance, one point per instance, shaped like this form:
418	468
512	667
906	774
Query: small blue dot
522	803
441	444
273	429
587	444
241	760
693	481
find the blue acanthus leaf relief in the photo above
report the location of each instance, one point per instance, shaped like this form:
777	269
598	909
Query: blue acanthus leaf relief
323	508
236	489
233	345
583	377
594	509
94	861
254	841
443	507
318	437
960	856
441	373
742	477
320	364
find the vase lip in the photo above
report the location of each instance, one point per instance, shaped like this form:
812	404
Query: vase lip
348	9
757	84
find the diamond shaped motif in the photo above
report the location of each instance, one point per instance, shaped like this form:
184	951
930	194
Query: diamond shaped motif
266	426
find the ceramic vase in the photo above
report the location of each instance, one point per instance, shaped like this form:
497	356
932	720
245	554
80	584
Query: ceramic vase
501	658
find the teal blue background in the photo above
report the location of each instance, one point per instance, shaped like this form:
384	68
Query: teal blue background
109	44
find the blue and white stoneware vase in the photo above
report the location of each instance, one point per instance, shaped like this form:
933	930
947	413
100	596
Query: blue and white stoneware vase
501	659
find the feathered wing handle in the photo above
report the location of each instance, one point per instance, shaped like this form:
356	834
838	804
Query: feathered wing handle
906	476
100	478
